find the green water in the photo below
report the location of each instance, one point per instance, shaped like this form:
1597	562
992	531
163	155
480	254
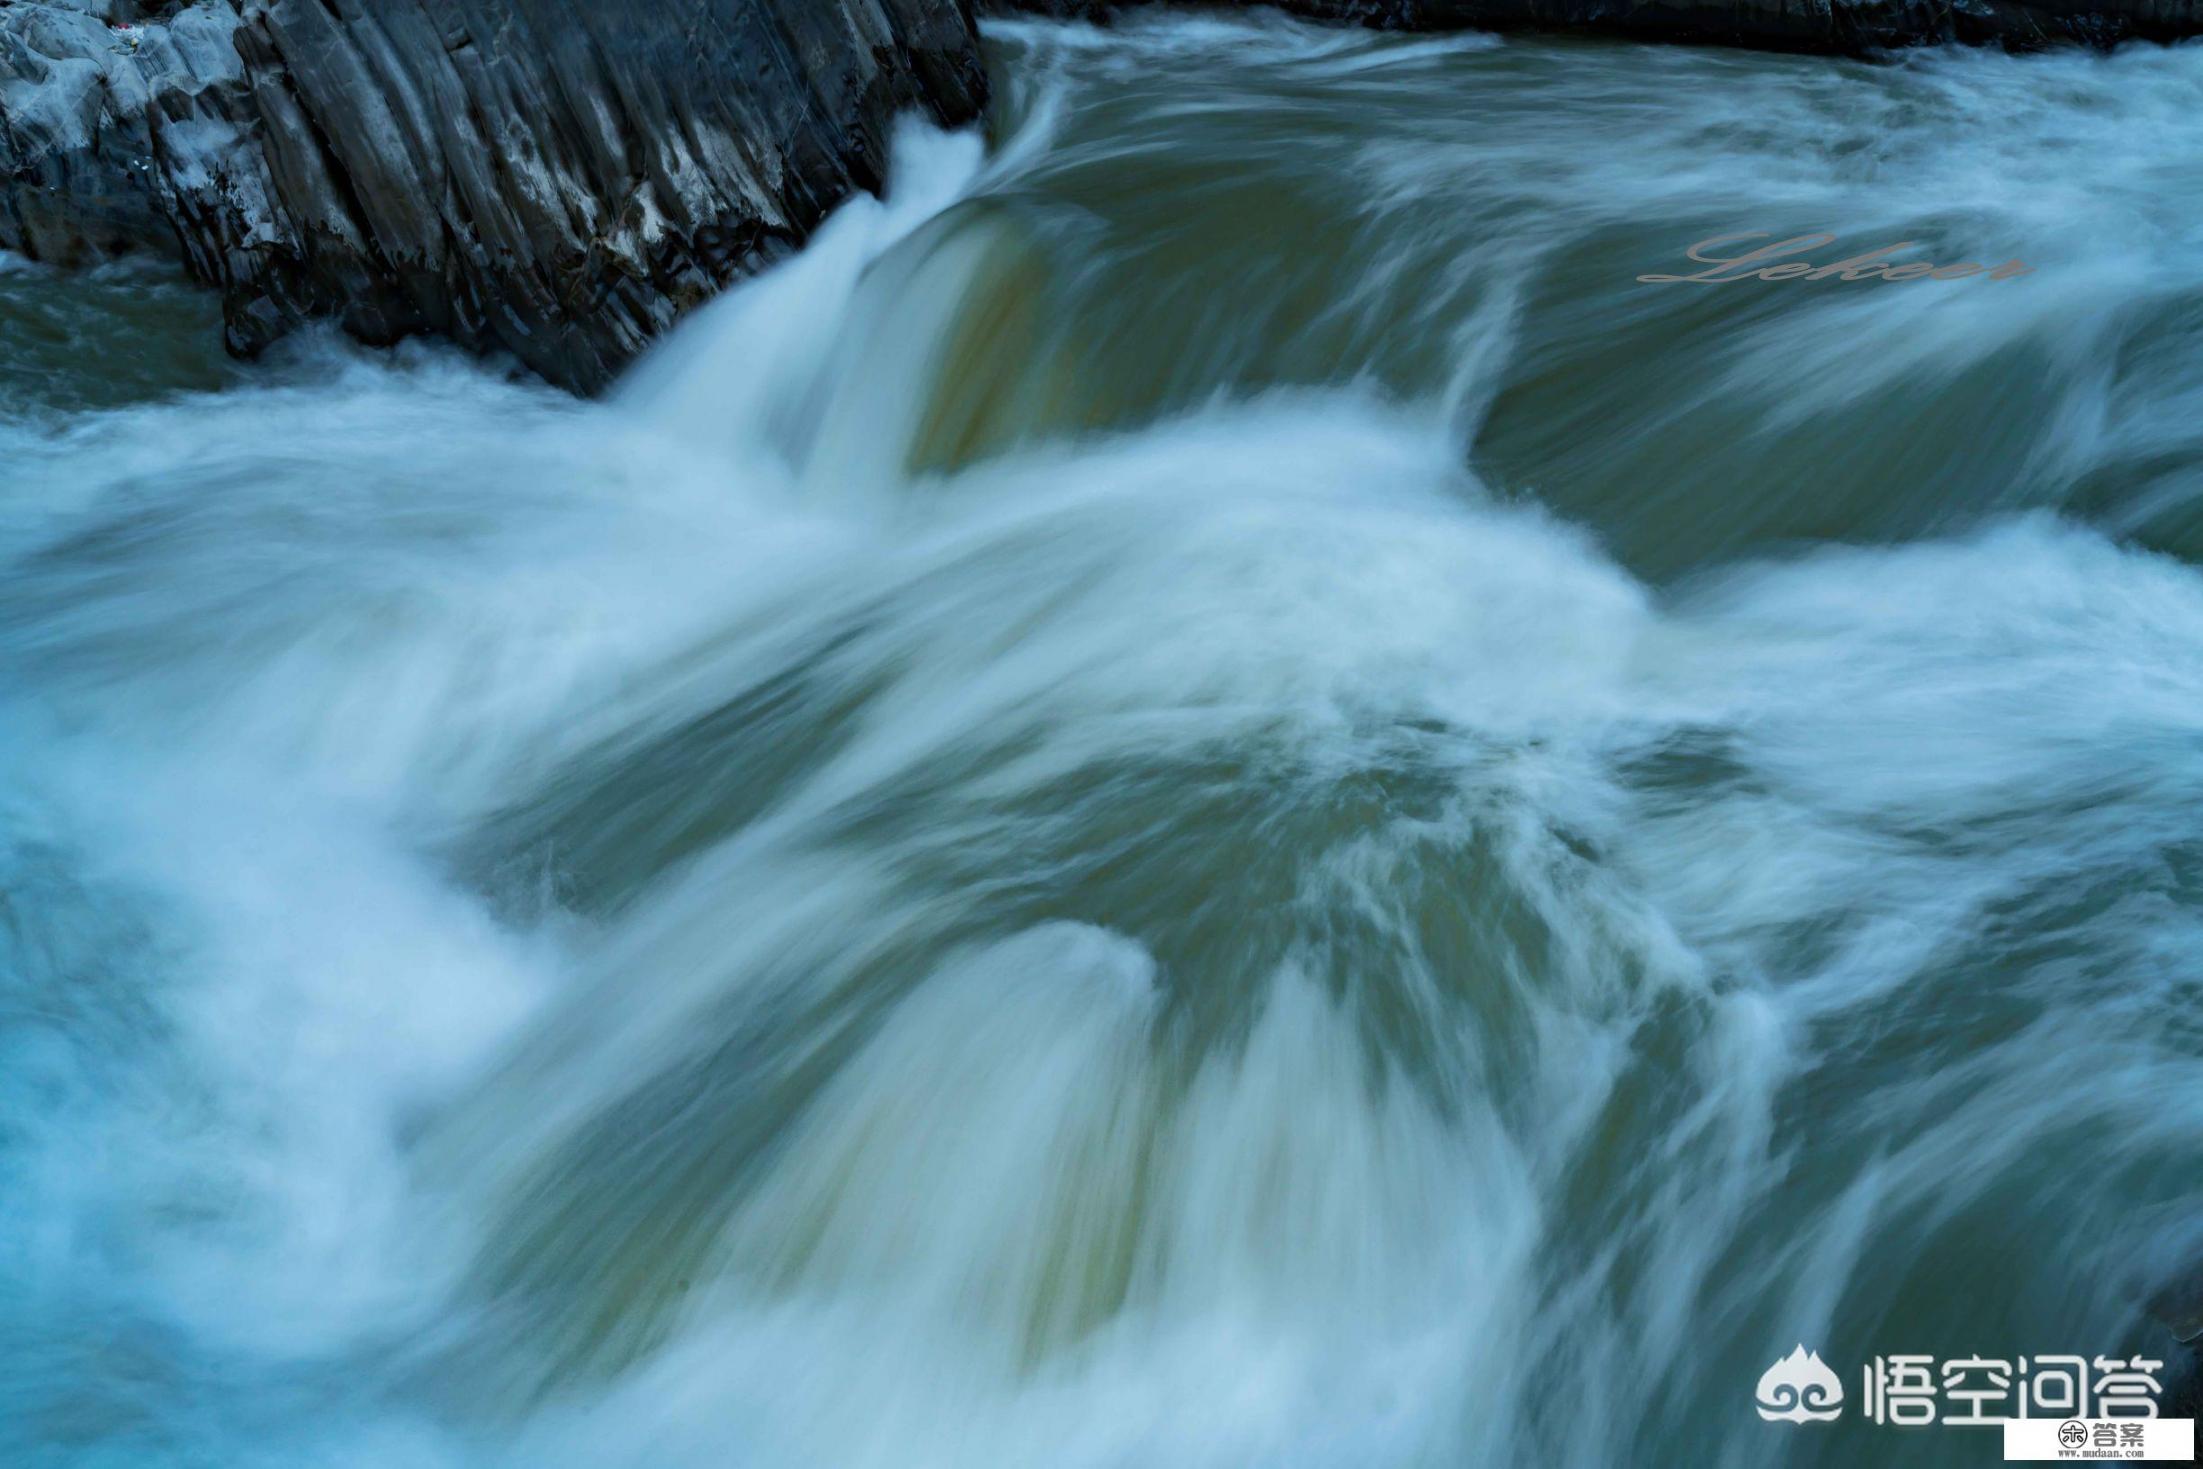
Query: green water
1203	793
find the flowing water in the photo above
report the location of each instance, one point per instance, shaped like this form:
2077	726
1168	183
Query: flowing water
1201	794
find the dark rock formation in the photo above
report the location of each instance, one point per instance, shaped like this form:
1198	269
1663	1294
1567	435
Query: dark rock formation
1833	27
558	178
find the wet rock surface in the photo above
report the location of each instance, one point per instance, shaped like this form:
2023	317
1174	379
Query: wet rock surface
559	179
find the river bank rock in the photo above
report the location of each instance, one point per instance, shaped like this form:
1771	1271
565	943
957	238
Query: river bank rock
559	179
1827	27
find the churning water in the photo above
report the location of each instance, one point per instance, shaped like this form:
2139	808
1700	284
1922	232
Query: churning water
1202	794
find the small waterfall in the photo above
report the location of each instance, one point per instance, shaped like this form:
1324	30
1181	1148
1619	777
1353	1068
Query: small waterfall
1200	794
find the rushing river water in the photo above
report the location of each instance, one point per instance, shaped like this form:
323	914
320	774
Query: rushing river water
1203	794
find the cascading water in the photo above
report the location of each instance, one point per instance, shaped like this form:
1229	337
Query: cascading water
1201	794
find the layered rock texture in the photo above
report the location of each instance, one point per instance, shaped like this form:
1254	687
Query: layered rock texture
557	178
563	178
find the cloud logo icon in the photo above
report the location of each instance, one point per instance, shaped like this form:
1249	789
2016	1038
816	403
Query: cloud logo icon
1800	1389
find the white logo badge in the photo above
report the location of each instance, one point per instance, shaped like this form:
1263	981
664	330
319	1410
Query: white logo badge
1800	1389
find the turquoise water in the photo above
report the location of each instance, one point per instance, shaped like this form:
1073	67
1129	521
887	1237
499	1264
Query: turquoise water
1202	793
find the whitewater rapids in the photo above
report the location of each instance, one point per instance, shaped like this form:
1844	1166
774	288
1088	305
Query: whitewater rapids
1198	795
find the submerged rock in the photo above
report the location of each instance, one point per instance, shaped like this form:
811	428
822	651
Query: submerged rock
557	178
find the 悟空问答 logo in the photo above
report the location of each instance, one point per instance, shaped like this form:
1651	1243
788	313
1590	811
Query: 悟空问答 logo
1800	1389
